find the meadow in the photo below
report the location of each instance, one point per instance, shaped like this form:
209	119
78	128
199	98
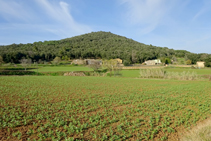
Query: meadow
100	108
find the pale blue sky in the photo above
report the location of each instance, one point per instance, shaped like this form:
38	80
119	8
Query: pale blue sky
177	24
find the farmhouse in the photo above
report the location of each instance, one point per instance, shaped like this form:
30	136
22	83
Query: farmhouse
200	64
153	62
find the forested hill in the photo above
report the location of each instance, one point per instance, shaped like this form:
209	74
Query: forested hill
104	45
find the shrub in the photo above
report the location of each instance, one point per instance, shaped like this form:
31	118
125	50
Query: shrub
192	67
126	63
56	60
14	68
188	62
7	72
87	73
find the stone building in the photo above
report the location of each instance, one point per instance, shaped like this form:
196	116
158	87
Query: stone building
200	64
153	62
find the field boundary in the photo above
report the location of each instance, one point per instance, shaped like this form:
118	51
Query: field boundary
200	132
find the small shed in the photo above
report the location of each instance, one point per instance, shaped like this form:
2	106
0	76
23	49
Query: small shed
200	64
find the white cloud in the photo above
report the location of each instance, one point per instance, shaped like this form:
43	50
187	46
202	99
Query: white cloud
62	16
203	10
11	10
53	18
145	13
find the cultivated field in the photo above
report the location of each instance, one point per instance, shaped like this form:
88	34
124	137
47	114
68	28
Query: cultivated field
100	108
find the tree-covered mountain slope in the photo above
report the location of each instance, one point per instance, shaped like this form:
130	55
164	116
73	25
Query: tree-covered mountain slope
100	44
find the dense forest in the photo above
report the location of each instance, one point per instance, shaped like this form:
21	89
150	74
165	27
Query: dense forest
100	44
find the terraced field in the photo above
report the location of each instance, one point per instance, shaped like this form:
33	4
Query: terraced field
99	108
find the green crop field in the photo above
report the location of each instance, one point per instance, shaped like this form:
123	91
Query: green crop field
99	108
130	73
57	69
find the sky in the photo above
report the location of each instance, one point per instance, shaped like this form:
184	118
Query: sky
176	24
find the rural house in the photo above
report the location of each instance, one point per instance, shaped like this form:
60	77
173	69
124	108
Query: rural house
153	62
200	64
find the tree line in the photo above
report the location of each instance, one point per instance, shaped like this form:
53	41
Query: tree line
95	45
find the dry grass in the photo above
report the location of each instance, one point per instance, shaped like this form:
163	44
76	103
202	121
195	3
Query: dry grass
161	73
152	73
201	132
185	75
